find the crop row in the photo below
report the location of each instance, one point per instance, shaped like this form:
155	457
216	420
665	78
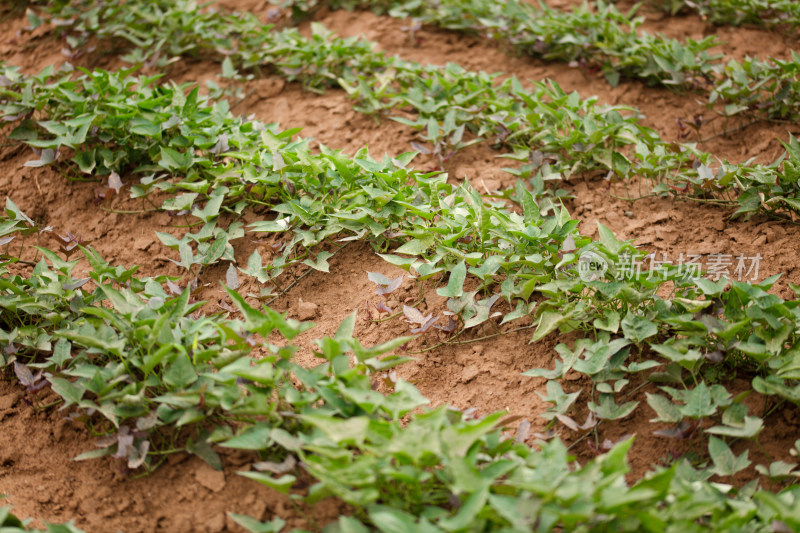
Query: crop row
539	125
768	13
602	39
141	359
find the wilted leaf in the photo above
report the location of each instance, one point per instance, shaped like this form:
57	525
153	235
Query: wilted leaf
114	181
287	465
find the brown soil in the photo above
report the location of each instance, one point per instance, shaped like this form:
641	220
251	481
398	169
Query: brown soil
36	446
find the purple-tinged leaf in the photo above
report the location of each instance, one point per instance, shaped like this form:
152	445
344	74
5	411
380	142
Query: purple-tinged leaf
124	443
449	327
77	284
425	325
174	288
274	14
523	431
385	285
390	288
420	148
225	306
454	501
106	442
544	436
25	375
383	308
590	422
608	443
682	431
62	22
6	240
414	316
568	421
507	421
13	118
715	356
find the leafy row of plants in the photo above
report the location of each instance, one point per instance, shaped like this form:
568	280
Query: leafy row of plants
531	122
138	363
768	13
601	39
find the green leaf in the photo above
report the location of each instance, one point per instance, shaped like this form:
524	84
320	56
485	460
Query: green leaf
390	520
343	432
62	352
607	408
415	246
608	239
174	160
665	409
548	322
228	70
254	526
455	285
725	462
94	454
181	373
320	263
608	322
202	448
637	328
71	393
216	250
345	330
751	427
266	322
211	209
701	401
256	437
142	126
282	484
